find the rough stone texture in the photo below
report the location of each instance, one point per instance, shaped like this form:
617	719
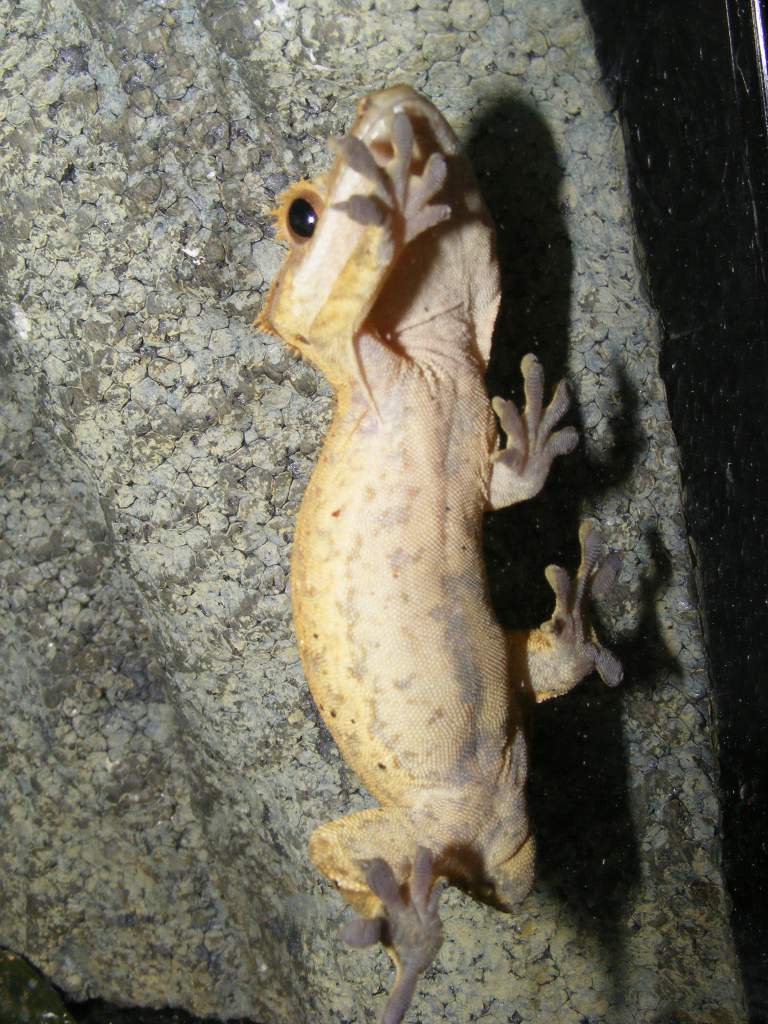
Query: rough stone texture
162	764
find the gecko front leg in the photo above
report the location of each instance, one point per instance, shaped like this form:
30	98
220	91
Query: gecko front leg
520	468
396	196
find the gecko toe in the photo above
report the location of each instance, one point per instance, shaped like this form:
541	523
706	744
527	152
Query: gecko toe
381	879
359	158
362	932
562	442
366	210
608	666
606	574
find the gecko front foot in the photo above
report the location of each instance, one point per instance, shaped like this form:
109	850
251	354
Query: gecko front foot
410	929
398	195
520	468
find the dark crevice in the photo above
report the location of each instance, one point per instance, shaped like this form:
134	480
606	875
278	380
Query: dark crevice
689	85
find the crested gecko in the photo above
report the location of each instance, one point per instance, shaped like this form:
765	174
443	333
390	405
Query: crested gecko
391	288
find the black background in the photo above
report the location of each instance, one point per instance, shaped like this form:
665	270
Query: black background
689	82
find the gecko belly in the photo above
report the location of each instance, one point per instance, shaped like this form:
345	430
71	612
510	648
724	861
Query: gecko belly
400	646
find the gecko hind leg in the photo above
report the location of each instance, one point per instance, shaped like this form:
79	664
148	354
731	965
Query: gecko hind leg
565	649
340	848
376	860
512	880
410	929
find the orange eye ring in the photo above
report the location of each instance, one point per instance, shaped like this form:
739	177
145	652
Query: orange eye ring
297	213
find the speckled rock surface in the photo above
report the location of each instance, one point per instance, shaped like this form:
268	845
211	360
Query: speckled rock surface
162	764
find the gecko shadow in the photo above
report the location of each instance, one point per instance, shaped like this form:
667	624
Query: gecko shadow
578	787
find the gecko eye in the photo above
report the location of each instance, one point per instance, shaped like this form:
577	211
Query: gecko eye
298	211
302	218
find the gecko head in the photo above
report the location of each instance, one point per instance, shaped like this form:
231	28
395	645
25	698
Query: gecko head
345	229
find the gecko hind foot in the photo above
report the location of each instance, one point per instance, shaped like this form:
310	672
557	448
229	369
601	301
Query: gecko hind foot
595	576
410	929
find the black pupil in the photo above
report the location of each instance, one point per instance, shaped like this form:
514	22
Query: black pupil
302	218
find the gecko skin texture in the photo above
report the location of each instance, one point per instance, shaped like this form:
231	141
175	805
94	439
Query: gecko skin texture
391	288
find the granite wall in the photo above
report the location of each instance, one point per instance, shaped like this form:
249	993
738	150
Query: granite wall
162	763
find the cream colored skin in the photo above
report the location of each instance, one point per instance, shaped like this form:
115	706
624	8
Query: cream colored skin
394	297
